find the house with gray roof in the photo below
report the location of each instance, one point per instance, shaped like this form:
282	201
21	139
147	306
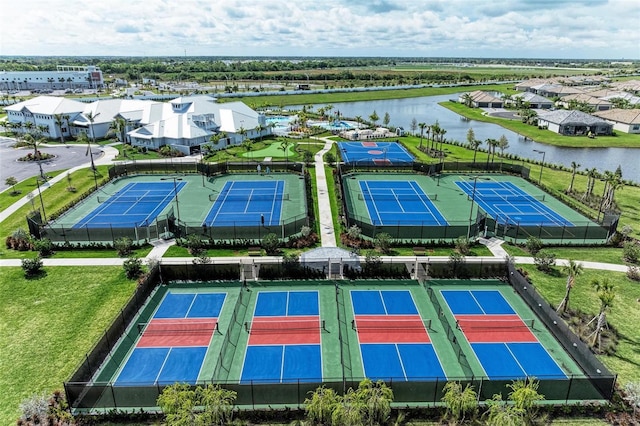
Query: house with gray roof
533	100
624	120
574	123
42	111
597	104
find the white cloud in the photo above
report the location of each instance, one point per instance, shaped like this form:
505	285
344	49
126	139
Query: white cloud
509	28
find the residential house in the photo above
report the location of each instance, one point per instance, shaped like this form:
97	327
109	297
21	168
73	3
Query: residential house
480	99
597	104
534	101
624	120
574	123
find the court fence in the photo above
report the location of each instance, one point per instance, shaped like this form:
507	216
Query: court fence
87	394
597	374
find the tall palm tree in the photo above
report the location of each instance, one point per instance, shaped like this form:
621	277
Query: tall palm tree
606	293
259	129
59	120
442	133
358	120
421	126
374	118
284	146
467	99
574	170
118	126
572	269
435	131
34	141
475	144
592	175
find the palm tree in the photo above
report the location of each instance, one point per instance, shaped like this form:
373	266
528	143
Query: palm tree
83	138
467	99
421	126
574	170
284	146
475	144
260	128
358	120
34	141
246	144
59	120
572	269
592	175
118	127
435	131
605	291
374	118
442	133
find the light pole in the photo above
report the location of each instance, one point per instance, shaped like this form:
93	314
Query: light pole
541	166
473	197
175	192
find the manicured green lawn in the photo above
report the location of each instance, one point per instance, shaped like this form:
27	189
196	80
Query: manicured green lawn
590	254
546	136
24	187
274	149
49	323
623	315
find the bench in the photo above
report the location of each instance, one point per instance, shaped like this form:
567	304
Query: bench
419	251
255	251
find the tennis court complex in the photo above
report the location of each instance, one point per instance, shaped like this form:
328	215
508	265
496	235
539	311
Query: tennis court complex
374	153
447	206
227	206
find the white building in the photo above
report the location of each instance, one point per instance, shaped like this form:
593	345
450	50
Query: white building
184	123
46	111
64	77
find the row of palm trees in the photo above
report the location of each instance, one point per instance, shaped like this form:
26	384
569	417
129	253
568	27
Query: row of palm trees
612	182
492	144
435	134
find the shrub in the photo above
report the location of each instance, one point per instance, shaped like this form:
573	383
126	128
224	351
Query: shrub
533	245
631	252
132	267
195	245
633	272
34	409
330	158
544	260
462	246
382	241
123	246
270	243
32	267
43	246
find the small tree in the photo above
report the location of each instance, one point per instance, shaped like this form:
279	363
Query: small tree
459	402
572	269
631	252
32	267
320	405
330	158
533	245
606	293
43	246
382	242
544	260
377	398
132	267
270	243
124	246
195	245
632	396
307	157
35	409
209	405
462	246
11	181
525	396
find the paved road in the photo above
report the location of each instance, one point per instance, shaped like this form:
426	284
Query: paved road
66	157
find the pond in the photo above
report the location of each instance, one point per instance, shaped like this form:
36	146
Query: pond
426	110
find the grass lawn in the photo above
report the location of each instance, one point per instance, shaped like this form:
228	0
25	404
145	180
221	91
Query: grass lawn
623	315
589	254
621	140
24	187
48	324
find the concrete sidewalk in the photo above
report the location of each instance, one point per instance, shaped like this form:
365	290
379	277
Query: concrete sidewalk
325	221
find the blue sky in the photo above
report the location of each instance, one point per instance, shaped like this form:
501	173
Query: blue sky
453	28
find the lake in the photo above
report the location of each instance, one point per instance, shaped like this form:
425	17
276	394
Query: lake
426	110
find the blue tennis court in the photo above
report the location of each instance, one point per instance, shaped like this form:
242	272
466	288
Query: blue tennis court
138	203
284	338
374	152
162	366
503	343
383	302
517	360
399	203
508	204
247	203
480	302
394	342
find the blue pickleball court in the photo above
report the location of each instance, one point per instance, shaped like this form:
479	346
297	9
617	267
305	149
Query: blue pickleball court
373	152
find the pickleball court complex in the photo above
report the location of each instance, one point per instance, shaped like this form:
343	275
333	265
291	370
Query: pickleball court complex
274	342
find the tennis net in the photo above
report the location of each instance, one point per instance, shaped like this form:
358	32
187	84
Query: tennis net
495	325
191	327
270	327
401	197
508	198
249	197
156	199
385	324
